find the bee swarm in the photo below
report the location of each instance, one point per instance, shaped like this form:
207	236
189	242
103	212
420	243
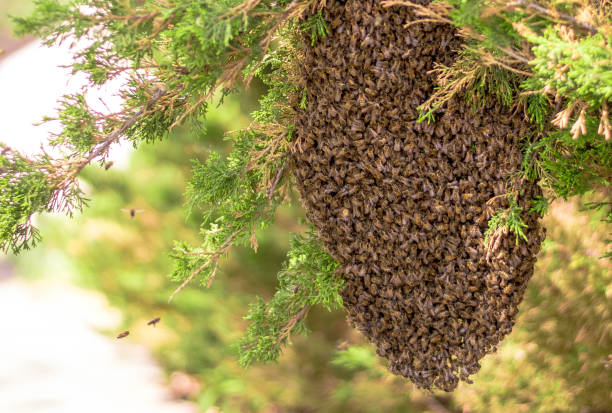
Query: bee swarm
402	205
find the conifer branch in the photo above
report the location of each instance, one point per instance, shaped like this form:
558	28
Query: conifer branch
223	249
286	330
308	278
272	187
432	13
553	14
102	148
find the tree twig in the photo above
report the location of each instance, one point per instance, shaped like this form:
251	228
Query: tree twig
554	14
276	179
215	258
286	330
113	137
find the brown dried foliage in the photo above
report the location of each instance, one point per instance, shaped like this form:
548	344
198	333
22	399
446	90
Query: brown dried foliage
403	205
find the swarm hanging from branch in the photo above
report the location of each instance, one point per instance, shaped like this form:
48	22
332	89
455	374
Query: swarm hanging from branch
404	205
395	119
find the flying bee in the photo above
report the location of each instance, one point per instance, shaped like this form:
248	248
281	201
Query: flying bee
132	211
108	165
154	321
123	334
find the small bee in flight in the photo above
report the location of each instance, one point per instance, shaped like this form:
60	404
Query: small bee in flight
124	334
132	211
154	321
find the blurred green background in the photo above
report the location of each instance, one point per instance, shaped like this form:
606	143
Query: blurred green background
557	359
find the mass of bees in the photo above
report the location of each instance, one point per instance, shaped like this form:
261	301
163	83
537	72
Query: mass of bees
403	205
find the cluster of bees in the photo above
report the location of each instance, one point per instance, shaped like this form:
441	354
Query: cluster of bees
402	205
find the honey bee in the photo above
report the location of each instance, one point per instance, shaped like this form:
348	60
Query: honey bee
132	211
337	96
336	22
123	334
154	321
108	165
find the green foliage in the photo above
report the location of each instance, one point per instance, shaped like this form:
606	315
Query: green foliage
12	7
78	124
308	278
356	358
317	26
538	109
24	193
303	100
471	80
46	16
540	205
277	72
514	222
570	167
576	70
509	219
239	194
27	188
494	29
492	81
